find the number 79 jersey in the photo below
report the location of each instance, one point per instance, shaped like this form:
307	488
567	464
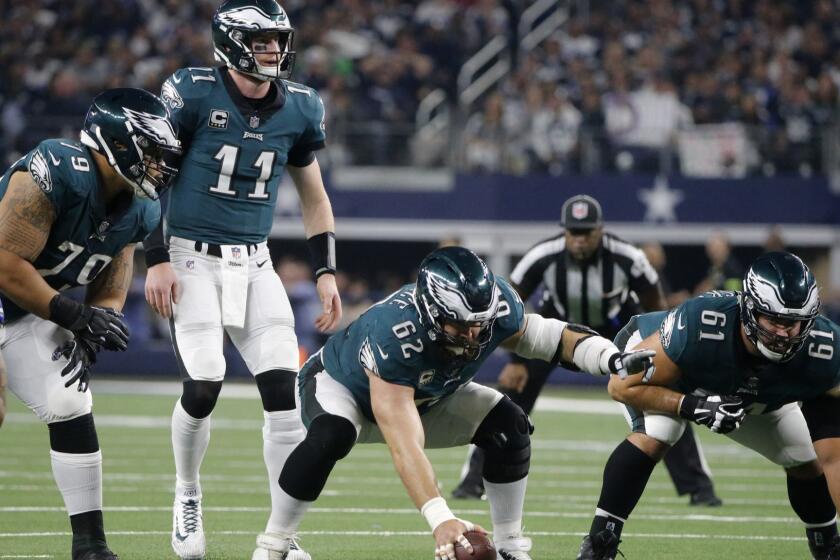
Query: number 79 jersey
702	337
226	188
83	239
390	341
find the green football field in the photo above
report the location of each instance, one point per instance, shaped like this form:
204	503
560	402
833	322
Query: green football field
364	512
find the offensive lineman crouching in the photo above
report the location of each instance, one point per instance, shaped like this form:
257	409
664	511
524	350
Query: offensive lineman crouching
401	375
71	213
736	362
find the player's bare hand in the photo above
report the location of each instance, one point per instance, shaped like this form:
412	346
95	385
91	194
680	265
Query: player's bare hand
331	302
448	533
514	376
162	288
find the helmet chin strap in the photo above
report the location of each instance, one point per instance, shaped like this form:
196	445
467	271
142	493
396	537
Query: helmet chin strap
767	353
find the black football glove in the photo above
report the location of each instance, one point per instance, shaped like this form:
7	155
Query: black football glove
80	355
633	362
721	414
101	327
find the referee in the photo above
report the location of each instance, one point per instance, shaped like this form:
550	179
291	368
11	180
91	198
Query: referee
594	278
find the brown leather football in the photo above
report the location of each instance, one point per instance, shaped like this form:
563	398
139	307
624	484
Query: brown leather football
483	548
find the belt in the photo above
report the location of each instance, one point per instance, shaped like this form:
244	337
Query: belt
216	250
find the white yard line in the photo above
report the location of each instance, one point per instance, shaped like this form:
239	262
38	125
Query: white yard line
699	536
411	511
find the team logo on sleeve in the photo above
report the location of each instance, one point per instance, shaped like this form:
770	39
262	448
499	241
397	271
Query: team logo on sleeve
171	96
667	328
40	171
367	358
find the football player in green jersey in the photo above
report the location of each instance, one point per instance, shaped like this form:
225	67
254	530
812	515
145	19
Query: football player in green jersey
242	124
401	374
737	363
70	215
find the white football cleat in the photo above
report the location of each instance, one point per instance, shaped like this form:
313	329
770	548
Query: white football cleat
514	547
188	529
272	546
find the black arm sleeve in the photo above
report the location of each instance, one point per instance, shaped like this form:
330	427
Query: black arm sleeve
301	156
823	417
154	246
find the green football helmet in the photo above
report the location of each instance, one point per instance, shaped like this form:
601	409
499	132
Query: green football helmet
241	29
455	286
132	128
780	286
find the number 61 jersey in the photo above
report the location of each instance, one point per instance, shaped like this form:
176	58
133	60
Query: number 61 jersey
83	239
703	338
226	189
390	341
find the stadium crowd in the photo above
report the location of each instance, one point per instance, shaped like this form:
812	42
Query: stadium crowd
617	82
372	61
612	88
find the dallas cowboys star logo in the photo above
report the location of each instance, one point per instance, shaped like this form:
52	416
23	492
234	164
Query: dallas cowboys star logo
660	201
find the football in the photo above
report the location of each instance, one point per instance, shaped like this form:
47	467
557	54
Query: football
483	548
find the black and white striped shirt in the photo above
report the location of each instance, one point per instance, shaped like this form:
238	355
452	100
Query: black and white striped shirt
600	293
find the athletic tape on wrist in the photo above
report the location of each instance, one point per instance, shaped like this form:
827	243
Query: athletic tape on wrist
436	512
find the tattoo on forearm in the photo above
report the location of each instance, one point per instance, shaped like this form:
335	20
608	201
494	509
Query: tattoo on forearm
26	217
117	276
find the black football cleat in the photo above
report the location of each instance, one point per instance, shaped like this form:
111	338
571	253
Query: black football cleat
469	490
101	554
601	546
705	497
826	551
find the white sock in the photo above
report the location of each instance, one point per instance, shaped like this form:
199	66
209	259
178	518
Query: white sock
286	513
282	432
190	437
507	501
79	479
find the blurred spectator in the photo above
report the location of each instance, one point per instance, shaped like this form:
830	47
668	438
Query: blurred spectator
725	272
775	241
297	280
655	253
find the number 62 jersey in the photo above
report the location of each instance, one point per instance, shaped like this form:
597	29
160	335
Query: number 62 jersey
226	189
390	341
703	338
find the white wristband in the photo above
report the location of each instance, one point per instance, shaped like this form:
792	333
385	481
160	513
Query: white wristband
436	512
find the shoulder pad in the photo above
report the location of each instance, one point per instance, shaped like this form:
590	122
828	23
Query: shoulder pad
55	160
191	82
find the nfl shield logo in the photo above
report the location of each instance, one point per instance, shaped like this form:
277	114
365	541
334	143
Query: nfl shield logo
580	210
190	265
255	121
236	252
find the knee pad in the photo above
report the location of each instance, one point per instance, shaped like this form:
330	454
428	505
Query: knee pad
277	389
822	417
65	403
505	437
664	428
274	346
199	397
331	437
74	436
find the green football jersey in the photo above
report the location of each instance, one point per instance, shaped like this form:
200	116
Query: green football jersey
702	336
390	341
83	238
226	189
